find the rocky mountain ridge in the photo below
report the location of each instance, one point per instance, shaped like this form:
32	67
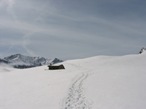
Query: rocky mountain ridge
22	61
143	50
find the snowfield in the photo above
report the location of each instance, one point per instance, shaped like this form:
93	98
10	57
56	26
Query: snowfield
101	82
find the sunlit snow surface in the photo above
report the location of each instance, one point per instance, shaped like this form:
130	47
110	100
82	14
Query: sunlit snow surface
101	82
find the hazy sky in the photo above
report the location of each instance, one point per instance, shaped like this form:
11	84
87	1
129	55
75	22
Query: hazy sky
70	29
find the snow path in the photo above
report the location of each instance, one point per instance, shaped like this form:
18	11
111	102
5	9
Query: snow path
76	98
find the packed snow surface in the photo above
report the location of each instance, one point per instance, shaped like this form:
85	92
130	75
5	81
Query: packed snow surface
101	82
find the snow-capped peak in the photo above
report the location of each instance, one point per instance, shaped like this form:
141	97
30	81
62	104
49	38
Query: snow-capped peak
143	50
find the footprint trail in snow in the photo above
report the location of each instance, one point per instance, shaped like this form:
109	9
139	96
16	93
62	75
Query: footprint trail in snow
76	98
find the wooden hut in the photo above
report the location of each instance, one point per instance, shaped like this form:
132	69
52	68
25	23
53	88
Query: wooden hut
56	67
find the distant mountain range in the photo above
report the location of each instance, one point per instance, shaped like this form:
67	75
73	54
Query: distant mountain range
22	61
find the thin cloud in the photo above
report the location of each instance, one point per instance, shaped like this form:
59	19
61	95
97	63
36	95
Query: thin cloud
84	27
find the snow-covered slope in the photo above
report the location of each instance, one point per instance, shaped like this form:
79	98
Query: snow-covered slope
101	82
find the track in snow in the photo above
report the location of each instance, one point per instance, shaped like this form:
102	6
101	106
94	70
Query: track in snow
76	98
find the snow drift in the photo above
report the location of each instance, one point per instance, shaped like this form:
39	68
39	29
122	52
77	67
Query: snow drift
101	82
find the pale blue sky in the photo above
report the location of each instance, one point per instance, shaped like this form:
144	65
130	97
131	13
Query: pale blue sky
70	29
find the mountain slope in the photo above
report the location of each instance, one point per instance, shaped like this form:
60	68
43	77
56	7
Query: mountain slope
3	61
101	82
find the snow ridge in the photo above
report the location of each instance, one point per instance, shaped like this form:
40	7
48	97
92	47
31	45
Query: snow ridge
76	98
